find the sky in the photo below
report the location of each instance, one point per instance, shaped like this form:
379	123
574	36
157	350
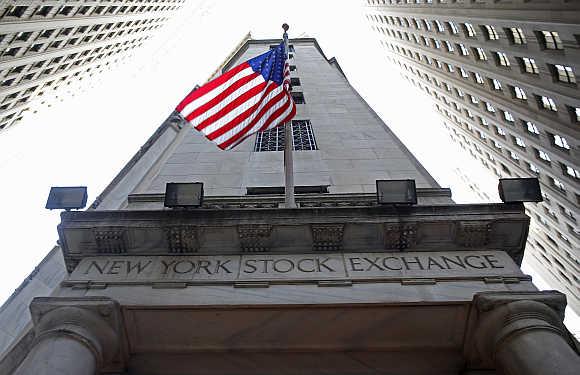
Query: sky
86	136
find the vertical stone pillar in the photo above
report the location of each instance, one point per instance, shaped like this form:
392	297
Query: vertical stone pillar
73	336
522	334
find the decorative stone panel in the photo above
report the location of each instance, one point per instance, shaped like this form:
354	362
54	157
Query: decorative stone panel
473	234
327	237
182	238
111	240
400	236
254	238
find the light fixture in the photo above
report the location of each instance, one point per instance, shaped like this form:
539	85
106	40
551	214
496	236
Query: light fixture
183	194
396	192
513	190
67	197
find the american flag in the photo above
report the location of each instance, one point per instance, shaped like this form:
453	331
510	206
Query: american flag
251	97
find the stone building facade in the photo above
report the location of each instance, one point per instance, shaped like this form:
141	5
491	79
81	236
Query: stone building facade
45	45
244	285
503	76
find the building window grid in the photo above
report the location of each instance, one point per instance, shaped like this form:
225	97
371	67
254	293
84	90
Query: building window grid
481	55
470	30
273	139
565	73
519	93
552	40
548	103
530	65
491	32
518	36
502	59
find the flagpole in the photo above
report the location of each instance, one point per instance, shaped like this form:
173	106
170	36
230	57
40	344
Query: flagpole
288	146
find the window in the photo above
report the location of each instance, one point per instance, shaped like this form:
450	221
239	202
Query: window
11	51
65	10
514	156
496	84
502	59
43	10
519	142
491	33
15	11
464	51
529	65
531	128
547	103
543	156
575	112
7	82
508	116
292	68
569	171
489	107
517	35
533	168
464	73
273	139
481	54
469	30
303	136
559	141
557	184
564	73
22	36
294	81
452	27
449	46
551	40
439	26
298	97
499	131
519	93
474	100
478	78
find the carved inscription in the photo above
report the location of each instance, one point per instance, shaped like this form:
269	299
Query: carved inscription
247	267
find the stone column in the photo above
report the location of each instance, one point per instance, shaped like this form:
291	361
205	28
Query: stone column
73	336
523	334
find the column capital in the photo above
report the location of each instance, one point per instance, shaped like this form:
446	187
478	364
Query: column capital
96	322
497	317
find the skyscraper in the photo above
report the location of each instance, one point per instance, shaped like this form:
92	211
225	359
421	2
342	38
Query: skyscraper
502	75
359	278
47	45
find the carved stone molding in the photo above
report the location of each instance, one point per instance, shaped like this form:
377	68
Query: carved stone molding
254	238
400	236
96	322
327	237
111	240
507	331
182	238
473	234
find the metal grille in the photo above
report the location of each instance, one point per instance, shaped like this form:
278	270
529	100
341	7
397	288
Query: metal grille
273	139
303	136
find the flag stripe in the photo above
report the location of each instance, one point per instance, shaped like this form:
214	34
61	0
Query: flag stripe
253	96
212	85
249	114
290	112
258	113
235	90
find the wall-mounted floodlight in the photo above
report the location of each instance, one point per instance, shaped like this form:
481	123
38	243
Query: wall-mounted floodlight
513	190
187	194
396	192
67	197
